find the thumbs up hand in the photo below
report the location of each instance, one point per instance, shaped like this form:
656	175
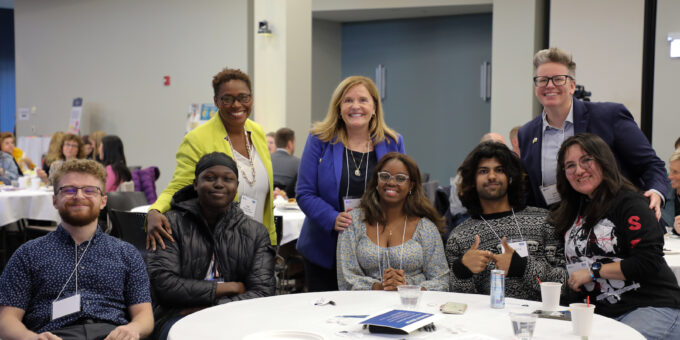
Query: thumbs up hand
503	260
476	260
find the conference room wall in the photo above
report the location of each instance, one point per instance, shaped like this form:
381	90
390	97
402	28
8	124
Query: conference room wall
114	54
605	38
326	64
666	123
432	82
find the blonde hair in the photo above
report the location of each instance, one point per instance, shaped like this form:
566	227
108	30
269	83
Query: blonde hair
54	151
96	137
555	55
334	127
83	166
675	156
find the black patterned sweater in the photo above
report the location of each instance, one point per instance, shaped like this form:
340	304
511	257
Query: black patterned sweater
545	261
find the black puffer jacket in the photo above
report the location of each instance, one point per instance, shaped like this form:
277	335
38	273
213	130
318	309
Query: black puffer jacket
242	253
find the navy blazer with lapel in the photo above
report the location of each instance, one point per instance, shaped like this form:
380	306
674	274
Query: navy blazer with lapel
318	188
615	125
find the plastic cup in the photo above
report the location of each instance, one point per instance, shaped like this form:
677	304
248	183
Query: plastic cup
581	318
23	182
35	182
550	295
409	295
523	324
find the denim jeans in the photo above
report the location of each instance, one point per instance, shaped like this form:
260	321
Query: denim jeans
654	322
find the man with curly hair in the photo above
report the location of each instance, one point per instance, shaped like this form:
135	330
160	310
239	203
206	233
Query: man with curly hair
501	233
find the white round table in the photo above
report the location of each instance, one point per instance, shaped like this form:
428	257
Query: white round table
297	312
27	203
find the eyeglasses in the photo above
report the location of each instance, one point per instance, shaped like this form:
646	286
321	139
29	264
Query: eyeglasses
72	191
71	145
384	176
586	162
557	80
243	98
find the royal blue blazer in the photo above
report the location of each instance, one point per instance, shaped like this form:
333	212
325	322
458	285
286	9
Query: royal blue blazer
318	188
615	125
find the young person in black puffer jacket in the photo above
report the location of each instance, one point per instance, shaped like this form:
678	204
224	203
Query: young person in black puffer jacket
218	255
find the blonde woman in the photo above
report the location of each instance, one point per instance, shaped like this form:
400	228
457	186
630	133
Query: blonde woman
340	154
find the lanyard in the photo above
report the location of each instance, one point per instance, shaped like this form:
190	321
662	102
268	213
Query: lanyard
516	224
75	270
401	252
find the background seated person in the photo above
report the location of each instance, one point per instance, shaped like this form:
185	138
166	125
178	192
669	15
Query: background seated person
393	239
71	148
491	188
607	225
9	168
108	286
285	165
671	212
112	155
219	254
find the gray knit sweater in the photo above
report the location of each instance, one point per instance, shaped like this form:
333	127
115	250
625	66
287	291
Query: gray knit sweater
545	261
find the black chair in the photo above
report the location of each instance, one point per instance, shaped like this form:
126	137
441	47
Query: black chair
125	200
130	227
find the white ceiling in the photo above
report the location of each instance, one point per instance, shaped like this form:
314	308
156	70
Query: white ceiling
399	13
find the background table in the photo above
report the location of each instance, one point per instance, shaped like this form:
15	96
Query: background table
292	223
297	312
27	203
673	254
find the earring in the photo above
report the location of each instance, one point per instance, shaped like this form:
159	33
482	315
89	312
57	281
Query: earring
510	181
409	192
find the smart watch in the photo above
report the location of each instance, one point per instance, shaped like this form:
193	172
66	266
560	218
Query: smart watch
595	268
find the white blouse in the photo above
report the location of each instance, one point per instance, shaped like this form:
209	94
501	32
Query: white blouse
260	189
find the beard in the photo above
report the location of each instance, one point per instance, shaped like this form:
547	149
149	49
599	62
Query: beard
492	195
79	218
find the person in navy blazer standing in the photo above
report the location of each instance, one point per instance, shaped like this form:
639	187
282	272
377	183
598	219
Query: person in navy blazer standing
563	116
339	156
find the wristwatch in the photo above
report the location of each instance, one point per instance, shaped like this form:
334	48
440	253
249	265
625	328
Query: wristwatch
595	268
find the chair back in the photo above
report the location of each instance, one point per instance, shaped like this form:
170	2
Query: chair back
429	189
130	227
121	200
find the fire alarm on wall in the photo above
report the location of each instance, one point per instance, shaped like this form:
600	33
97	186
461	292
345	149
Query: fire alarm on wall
166	80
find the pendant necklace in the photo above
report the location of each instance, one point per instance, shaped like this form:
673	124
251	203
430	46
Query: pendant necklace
250	158
357	170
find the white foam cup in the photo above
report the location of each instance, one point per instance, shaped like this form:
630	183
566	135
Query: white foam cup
550	295
582	318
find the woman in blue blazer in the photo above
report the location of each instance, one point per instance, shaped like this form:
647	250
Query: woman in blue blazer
340	155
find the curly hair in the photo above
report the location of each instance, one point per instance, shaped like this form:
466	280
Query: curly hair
512	166
612	182
228	74
72	138
82	166
334	127
416	204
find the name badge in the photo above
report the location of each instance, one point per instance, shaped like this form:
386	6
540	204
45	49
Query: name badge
248	205
550	194
66	306
574	267
350	203
520	248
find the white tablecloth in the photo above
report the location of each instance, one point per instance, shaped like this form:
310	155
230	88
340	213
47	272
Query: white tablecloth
296	312
292	224
673	254
26	203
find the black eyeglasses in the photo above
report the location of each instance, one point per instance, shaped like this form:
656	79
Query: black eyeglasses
586	162
243	98
72	191
384	176
557	80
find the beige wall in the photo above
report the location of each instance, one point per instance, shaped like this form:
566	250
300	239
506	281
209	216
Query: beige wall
666	123
516	37
606	42
114	54
326	64
282	67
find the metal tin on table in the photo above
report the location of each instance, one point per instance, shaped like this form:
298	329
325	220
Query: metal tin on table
497	289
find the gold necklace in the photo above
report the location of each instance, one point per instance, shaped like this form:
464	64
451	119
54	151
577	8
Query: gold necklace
357	170
250	158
